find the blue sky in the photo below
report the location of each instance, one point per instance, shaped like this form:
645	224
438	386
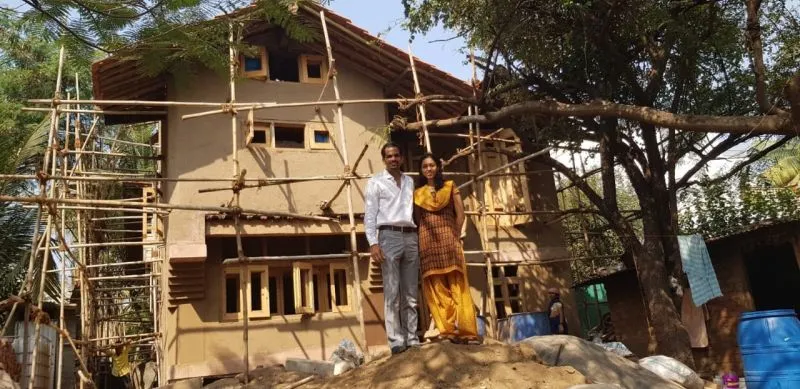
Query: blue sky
385	17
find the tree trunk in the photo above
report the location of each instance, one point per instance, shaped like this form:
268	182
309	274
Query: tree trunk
668	334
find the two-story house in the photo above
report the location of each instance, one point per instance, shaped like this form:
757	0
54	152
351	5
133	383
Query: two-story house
301	308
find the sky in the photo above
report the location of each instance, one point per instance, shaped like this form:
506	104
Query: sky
385	17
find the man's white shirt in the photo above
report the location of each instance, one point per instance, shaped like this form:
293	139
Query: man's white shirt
386	204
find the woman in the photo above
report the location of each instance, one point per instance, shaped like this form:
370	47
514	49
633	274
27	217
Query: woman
439	213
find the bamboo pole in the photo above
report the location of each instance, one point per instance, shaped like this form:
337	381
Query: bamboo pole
262	106
49	158
303	257
187	207
327	204
62	286
244	272
345	160
96	111
421	106
515	162
484	232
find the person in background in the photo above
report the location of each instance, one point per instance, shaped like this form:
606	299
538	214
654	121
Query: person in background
392	236
439	212
558	324
120	365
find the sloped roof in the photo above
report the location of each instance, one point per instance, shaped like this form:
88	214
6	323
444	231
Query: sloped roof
123	79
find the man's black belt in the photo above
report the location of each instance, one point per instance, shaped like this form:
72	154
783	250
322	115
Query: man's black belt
398	229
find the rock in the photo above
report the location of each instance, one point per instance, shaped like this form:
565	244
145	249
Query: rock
596	386
189	383
596	364
320	368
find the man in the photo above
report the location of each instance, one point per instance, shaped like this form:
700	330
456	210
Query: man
120	366
392	236
558	325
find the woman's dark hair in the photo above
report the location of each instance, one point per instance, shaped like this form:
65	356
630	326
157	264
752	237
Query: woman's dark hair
438	179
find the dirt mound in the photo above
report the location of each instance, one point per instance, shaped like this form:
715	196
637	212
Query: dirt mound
591	360
445	365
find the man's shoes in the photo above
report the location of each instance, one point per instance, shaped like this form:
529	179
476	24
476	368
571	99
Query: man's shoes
398	349
415	346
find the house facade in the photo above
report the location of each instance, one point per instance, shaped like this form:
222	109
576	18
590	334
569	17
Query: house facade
304	308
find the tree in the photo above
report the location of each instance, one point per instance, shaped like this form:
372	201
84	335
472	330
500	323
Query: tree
162	33
28	61
649	83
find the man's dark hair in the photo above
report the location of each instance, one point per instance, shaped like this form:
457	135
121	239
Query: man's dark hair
389	145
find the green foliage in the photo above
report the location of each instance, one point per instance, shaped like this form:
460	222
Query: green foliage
165	34
784	169
721	208
588	236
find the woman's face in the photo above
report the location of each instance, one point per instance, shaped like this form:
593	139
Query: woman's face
429	168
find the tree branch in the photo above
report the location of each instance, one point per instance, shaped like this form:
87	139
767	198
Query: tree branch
753	158
753	35
35	5
712	154
780	124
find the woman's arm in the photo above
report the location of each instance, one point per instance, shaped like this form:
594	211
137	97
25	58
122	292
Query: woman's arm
458	204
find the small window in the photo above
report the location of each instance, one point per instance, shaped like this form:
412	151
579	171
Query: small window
283	67
304	288
231	301
288	136
259	136
319	135
341	289
256	66
313	69
258	292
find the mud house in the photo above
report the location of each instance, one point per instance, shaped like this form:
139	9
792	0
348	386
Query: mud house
757	268
304	307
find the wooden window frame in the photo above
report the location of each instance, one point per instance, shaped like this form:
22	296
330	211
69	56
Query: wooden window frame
265	311
262	73
303	61
253	126
238	315
297	268
251	314
299	127
312	143
348	286
323	278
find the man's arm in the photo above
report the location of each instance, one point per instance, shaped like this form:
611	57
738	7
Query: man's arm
371	204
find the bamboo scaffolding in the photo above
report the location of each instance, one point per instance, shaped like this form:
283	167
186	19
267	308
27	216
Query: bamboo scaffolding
327	204
345	160
421	106
262	106
96	111
484	232
302	257
112	203
49	157
515	162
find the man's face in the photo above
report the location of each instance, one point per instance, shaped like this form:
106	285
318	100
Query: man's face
392	158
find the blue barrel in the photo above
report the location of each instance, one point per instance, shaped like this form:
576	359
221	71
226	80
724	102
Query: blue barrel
520	326
770	345
481	325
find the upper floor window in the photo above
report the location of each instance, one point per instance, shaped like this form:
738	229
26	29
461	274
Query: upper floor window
285	67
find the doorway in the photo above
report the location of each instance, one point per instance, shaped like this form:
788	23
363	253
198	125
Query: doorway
774	277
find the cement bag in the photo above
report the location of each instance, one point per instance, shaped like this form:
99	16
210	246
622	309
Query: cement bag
672	370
